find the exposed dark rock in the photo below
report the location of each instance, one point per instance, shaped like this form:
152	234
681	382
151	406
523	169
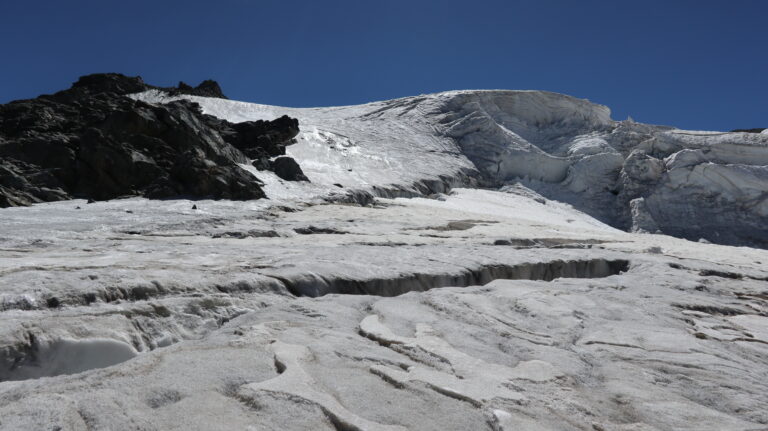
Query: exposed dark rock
104	83
207	88
259	139
712	309
248	234
749	130
723	274
93	142
311	230
121	84
286	168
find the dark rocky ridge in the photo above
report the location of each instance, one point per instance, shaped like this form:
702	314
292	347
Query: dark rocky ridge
91	141
207	88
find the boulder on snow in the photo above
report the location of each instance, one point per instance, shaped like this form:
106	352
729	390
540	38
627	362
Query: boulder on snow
286	168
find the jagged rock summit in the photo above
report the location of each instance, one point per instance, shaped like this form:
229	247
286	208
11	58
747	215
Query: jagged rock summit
91	141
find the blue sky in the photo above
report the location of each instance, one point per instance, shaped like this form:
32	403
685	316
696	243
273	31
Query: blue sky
695	64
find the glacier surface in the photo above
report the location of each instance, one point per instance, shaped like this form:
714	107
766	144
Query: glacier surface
494	260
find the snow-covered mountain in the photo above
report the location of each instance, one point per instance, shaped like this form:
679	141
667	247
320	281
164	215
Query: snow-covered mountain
469	260
694	185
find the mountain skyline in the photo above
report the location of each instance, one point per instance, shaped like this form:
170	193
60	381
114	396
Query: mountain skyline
693	65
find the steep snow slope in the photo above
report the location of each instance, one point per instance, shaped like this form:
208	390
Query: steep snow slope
634	176
379	147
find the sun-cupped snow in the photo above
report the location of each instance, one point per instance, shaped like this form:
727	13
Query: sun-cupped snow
692	184
477	309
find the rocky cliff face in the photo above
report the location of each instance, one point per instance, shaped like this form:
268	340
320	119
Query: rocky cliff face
91	141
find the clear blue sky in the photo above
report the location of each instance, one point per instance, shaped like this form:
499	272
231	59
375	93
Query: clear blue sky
696	64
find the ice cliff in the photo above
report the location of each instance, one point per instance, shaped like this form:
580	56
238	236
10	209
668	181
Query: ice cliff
690	184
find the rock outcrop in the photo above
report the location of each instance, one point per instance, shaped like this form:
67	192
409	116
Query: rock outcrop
259	140
91	141
287	169
207	88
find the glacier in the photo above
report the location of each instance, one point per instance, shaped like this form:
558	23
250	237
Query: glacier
484	260
689	184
